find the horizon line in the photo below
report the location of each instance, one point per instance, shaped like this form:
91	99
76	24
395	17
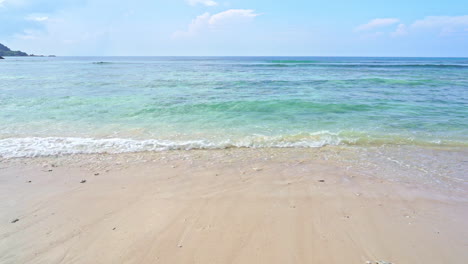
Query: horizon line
244	56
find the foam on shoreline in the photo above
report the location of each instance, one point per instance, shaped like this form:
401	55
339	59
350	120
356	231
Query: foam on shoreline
16	147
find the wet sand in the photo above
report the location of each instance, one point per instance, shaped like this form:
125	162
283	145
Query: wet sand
224	206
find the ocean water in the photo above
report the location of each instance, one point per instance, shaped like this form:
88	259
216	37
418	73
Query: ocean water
68	105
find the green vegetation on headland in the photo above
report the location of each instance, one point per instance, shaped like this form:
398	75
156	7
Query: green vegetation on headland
5	51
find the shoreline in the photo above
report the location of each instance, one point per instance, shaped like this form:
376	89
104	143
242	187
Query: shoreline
34	146
432	166
232	206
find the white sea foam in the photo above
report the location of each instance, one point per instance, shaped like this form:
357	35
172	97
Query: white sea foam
15	147
51	146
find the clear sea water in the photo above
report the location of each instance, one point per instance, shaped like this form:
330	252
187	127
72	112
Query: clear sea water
67	105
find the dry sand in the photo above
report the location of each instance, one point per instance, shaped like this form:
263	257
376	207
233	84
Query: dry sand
226	206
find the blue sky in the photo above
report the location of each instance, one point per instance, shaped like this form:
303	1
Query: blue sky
236	27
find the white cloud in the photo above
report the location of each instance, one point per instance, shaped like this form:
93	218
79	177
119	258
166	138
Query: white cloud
217	21
377	23
438	25
196	25
4	3
445	25
401	30
203	2
28	35
232	15
441	21
37	18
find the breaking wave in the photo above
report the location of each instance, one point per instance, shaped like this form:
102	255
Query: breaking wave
54	146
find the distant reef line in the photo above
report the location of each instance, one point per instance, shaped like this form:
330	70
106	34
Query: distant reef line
5	51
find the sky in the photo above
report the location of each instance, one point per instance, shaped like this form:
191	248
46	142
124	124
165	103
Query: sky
429	28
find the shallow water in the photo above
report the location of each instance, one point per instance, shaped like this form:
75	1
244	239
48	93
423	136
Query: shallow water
67	105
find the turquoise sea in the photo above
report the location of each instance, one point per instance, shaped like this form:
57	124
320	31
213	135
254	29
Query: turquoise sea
67	105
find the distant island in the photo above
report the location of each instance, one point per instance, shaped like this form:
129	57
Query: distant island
5	51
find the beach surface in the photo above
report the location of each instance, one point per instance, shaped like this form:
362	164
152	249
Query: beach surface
231	206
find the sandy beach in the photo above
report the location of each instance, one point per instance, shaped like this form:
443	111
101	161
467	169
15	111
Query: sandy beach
224	206
233	132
